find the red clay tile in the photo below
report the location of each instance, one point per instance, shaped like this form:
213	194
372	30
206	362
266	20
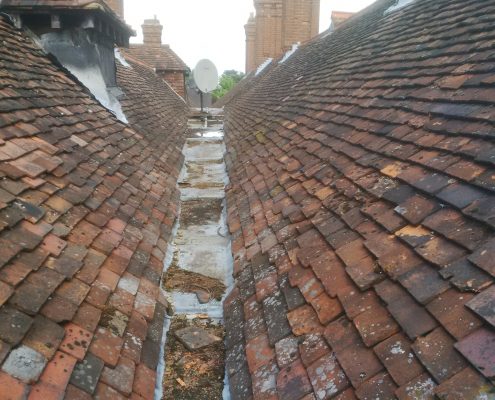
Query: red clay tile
326	377
326	308
5	292
346	395
42	391
264	383
484	256
108	279
286	351
59	309
467	384
76	341
121	377
145	305
44	336
5	349
106	346
436	352
353	253
449	308
266	286
424	283
293	382
122	301
416	209
75	393
358	362
259	353
484	305
380	386
11	388
421	387
304	320
310	287
399	360
144	382
104	392
375	325
53	245
312	348
331	273
399	261
116	225
479	349
58	371
440	252
74	291
356	302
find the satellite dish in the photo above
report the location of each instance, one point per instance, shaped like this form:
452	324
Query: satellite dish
206	76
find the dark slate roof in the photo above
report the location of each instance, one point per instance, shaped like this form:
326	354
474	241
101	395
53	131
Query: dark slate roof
161	58
362	209
86	209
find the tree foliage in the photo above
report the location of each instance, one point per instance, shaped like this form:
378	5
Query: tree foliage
228	80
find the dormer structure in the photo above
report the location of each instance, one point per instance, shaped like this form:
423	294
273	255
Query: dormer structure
82	36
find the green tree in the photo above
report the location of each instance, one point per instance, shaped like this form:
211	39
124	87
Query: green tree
228	80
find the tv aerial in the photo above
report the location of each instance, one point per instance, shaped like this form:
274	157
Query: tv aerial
206	77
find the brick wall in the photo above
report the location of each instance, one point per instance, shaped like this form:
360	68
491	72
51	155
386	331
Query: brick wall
176	80
277	26
299	22
268	29
250	29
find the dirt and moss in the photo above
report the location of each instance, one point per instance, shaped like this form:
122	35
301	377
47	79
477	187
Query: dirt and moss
200	212
191	282
201	143
193	375
202	185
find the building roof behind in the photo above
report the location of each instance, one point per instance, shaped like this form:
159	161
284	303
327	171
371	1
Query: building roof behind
362	209
161	58
87	206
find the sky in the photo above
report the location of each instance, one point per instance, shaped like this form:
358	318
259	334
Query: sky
213	29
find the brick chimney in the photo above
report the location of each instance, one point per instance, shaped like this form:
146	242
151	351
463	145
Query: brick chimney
339	17
152	32
117	6
250	29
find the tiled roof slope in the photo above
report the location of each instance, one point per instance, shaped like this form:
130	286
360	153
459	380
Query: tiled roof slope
362	209
245	84
86	208
151	105
162	58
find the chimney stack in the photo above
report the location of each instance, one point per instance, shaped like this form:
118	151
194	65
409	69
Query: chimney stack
117	7
339	17
152	32
250	29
